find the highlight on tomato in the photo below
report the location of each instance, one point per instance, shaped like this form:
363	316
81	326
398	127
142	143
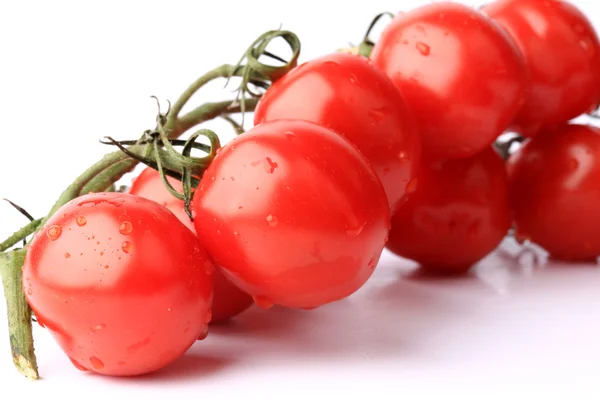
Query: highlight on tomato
228	300
293	213
555	192
458	214
349	95
562	53
122	285
461	74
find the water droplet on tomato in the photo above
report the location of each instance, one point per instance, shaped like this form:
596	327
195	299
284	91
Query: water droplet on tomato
378	114
269	165
29	291
126	228
101	253
573	164
81	221
98	327
272	220
423	48
67	255
97	364
235	233
354	232
262	302
330	63
232	179
204	334
209	267
405	41
412	185
353	79
54	232
240	207
107	266
126	246
78	365
372	263
208	317
420	28
402	156
289	134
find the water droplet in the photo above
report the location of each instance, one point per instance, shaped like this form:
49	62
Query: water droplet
126	228
98	327
378	114
101	253
353	79
272	220
372	263
405	41
209	267
270	165
289	134
402	156
240	207
107	266
232	179
262	302
354	232
423	48
584	44
54	232
235	233
126	246
67	255
412	185
81	221
29	291
208	317
573	164
169	309
330	63
420	28
78	365
97	364
204	334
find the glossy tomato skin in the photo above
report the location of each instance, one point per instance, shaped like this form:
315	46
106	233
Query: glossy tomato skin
555	192
123	286
293	213
460	73
228	300
562	54
347	94
457	215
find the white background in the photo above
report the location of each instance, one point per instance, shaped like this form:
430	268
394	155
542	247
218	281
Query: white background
72	72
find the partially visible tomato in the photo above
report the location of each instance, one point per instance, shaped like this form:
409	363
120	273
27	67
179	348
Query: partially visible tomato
120	282
457	215
555	192
293	213
562	53
348	95
228	300
460	73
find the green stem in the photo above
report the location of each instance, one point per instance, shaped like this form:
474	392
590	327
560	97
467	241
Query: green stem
212	110
19	314
20	235
224	71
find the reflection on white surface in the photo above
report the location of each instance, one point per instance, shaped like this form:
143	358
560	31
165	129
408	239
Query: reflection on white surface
494	325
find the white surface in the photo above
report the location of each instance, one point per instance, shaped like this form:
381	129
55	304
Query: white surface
72	72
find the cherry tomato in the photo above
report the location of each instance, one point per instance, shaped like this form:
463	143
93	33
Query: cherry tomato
555	192
293	213
348	95
458	213
228	300
123	286
562	53
461	74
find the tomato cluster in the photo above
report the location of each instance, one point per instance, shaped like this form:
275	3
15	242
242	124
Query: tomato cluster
349	154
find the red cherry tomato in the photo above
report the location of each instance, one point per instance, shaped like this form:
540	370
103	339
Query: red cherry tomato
348	95
562	53
123	286
555	192
457	215
293	213
228	300
460	73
